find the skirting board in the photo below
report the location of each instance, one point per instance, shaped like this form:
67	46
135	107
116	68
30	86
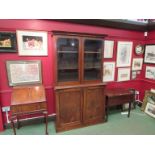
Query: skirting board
30	121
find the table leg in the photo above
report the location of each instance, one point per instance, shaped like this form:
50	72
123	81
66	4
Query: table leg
13	126
129	109
46	123
107	109
18	123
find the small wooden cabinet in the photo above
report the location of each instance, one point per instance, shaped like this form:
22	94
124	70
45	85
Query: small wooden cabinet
79	90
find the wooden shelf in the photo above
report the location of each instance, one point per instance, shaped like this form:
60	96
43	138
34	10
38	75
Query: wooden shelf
68	52
92	52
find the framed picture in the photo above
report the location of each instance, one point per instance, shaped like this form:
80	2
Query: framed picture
150	109
8	42
134	74
108	48
124	52
150	72
24	72
32	43
137	64
149	56
148	98
123	74
108	71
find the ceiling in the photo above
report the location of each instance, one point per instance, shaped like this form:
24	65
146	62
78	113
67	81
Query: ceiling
113	23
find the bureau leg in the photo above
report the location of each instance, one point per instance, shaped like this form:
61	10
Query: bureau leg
13	126
18	123
46	123
129	109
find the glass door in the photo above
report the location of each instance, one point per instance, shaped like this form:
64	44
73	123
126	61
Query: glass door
67	59
92	59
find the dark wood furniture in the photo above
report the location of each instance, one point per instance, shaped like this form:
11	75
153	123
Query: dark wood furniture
78	88
118	96
26	101
79	105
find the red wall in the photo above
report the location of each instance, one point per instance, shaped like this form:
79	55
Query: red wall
47	61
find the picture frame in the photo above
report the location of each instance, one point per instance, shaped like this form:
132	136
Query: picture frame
108	71
149	56
108	48
134	75
32	43
137	64
150	109
123	74
8	42
124	53
149	97
24	72
150	72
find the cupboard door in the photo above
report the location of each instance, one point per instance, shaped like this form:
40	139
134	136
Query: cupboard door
93	50
69	103
67	59
94	105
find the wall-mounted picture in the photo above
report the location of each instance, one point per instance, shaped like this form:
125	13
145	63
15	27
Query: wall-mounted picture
123	74
8	42
134	74
137	64
108	71
32	43
108	48
150	72
24	72
124	52
149	56
150	109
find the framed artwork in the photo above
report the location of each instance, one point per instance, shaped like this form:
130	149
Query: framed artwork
123	74
148	98
24	72
150	72
137	64
8	42
124	52
134	74
108	71
108	48
150	109
149	56
32	43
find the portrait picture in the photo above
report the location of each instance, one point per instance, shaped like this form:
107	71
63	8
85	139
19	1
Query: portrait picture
123	74
124	53
31	43
150	72
149	56
137	64
108	48
108	71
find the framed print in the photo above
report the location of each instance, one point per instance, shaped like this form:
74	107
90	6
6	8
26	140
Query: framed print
123	74
134	74
139	49
108	71
24	72
124	52
149	56
150	72
108	48
32	43
150	109
137	64
8	42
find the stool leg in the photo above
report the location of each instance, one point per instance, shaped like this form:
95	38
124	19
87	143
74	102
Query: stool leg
129	109
13	126
46	123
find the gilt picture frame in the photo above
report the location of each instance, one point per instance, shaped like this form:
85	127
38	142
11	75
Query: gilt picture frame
24	72
8	42
32	43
